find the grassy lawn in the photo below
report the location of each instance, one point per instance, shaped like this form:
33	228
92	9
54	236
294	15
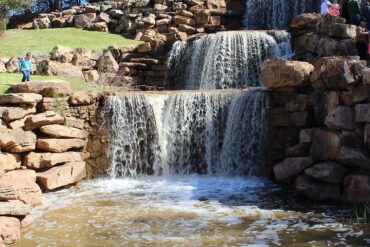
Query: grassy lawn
18	42
8	79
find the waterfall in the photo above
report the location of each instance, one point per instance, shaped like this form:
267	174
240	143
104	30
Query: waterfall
208	132
275	14
224	60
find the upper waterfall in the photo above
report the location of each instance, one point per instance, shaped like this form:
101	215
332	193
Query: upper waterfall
225	60
274	14
206	132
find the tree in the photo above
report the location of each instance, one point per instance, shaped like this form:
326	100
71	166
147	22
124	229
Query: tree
7	5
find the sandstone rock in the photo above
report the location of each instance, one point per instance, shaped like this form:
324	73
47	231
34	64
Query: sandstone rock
23	185
317	190
17	141
107	63
278	73
115	13
10	230
12	66
366	76
362	113
299	150
11	113
353	158
103	17
74	122
15	209
329	172
326	144
304	21
357	188
97	26
59	69
41	119
61	176
18	124
82	98
291	167
305	135
59	51
20	98
46	88
80	21
9	161
335	26
61	131
217	5
342	117
155	39
46	160
189	30
144	47
41	23
299	104
59	145
2	67
91	75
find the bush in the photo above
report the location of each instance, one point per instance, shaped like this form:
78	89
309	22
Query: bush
3	23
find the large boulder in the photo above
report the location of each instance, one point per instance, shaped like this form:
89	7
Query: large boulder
357	188
326	145
277	73
9	161
10	230
11	113
41	119
305	21
49	68
59	145
80	21
97	26
48	88
21	185
41	23
82	98
61	176
61	131
291	167
335	27
107	63
62	54
316	189
20	98
17	141
362	113
46	160
216	5
14	208
354	158
329	172
342	117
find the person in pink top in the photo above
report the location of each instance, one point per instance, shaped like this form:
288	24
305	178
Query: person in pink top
335	8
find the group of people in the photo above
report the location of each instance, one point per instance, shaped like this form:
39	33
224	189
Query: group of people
356	12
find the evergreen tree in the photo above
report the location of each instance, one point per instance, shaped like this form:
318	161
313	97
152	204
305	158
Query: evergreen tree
7	5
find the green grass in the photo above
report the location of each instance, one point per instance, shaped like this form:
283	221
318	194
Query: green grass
7	79
18	42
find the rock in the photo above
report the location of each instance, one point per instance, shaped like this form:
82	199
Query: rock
107	63
74	122
299	104
144	47
326	144
52	68
342	117
41	23
61	176
91	75
9	161
82	98
47	160
299	150
305	135
329	172
277	73
12	66
353	158
17	141
362	113
217	5
91	8
48	88
2	67
189	30
155	39
357	188
61	131
291	167
115	13
59	145
304	21
15	209
97	26
20	98
22	184
10	230
80	21
60	51
41	119
366	76
11	113
103	17
316	189
160	7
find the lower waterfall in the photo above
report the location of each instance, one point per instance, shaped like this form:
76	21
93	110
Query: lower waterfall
275	14
225	60
208	132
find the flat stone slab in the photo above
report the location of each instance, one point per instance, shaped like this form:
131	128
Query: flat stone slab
17	141
20	98
15	209
11	113
44	160
45	118
59	145
61	131
45	88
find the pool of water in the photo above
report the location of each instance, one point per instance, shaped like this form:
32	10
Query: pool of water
187	211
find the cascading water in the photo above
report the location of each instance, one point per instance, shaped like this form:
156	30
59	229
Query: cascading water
224	60
274	14
219	132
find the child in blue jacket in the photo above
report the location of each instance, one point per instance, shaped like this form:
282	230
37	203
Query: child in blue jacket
25	65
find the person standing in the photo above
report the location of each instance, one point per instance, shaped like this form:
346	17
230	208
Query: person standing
367	14
25	65
362	39
354	11
335	8
325	5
